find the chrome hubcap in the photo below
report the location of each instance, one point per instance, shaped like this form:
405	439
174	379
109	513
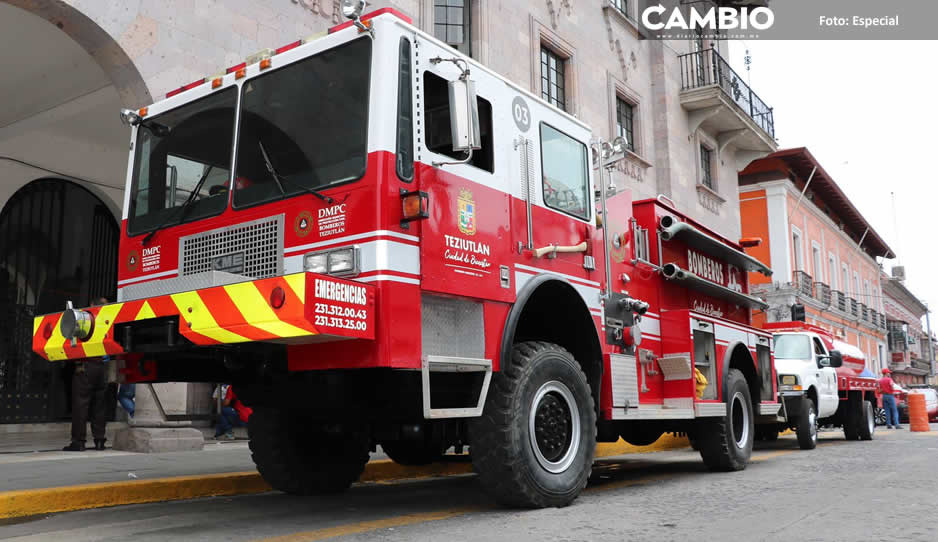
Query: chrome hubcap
554	427
740	420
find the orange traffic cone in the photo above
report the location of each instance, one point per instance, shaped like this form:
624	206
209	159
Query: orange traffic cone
918	415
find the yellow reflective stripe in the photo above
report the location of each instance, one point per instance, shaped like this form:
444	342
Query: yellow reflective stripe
297	283
94	346
146	312
258	313
54	349
37	321
201	318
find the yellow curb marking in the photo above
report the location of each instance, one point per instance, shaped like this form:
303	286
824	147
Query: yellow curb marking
32	502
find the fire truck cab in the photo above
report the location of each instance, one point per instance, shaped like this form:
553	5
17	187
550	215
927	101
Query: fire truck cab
378	241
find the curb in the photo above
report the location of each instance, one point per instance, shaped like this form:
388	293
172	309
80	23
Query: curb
32	502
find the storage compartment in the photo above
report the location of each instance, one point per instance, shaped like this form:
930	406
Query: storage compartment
705	356
764	361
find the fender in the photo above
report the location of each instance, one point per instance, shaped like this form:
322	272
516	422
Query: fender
514	315
727	357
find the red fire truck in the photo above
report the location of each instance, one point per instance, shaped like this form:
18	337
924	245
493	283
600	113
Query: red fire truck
378	241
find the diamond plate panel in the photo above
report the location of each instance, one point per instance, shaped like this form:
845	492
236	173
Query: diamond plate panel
624	380
452	327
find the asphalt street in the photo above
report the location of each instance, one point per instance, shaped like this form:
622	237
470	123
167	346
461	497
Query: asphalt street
885	489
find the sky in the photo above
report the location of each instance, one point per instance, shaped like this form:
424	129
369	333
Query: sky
867	111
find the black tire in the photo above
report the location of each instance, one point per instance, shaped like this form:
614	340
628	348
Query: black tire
293	456
850	418
866	424
534	444
413	452
641	435
806	427
726	442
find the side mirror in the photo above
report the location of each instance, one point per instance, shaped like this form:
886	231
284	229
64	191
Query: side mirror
834	359
464	115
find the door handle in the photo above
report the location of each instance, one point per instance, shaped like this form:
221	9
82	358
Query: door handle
552	250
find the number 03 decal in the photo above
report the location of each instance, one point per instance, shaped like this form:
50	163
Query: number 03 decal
521	113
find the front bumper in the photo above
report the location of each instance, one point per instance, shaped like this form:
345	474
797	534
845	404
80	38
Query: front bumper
314	308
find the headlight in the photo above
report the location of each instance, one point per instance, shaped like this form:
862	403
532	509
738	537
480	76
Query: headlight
789	380
341	262
315	263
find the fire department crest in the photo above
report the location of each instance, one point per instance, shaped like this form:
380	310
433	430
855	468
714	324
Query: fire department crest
132	260
302	223
467	212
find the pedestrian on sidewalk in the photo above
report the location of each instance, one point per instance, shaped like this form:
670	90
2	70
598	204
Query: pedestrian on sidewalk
126	394
888	387
89	391
233	413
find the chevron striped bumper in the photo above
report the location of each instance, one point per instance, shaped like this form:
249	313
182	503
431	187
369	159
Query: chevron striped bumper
292	309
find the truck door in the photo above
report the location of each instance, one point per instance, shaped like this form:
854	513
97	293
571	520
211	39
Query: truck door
827	381
465	244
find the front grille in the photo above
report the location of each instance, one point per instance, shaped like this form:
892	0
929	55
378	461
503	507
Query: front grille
253	249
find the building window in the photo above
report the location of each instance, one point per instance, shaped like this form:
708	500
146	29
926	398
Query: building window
796	246
706	167
832	270
553	84
451	24
622	6
846	283
818	264
625	119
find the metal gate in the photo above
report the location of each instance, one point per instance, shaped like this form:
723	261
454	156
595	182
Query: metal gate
58	242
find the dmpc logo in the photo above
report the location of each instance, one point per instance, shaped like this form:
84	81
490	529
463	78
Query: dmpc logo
712	20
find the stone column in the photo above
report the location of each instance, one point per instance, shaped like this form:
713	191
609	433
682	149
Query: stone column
150	431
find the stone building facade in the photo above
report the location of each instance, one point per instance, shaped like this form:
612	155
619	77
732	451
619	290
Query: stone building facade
911	357
821	249
71	65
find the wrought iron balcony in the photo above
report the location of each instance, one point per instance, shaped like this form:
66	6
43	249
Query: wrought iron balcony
803	283
840	301
707	68
822	292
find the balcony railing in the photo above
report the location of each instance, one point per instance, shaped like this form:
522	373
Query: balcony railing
921	364
840	300
803	283
705	68
854	307
874	317
822	292
864	312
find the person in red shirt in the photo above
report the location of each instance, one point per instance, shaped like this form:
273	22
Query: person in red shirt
888	387
234	413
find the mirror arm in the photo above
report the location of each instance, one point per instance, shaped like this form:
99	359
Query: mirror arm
459	162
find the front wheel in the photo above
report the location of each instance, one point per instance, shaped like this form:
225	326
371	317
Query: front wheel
807	426
726	442
533	446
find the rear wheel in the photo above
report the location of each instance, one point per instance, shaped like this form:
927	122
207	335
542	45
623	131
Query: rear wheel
866	425
726	443
807	426
879	416
295	456
533	446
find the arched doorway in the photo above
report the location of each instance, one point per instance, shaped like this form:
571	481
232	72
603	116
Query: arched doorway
58	242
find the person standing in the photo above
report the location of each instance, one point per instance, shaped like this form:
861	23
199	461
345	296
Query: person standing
89	390
888	387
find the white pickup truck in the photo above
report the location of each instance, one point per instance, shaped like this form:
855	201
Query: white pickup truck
819	384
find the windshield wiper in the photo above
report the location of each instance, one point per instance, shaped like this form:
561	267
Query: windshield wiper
279	179
182	209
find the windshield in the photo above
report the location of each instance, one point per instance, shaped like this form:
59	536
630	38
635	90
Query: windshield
174	151
792	347
304	127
